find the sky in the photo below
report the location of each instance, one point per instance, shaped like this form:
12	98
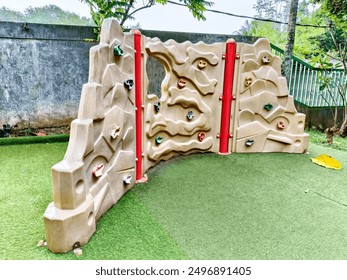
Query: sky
169	17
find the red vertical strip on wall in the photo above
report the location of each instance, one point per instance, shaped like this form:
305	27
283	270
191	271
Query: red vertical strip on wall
138	102
227	97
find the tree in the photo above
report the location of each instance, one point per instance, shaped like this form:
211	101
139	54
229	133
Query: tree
335	8
47	14
335	12
277	33
54	15
10	15
124	10
272	9
288	52
263	29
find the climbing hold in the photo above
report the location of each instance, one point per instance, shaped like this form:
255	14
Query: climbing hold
127	179
268	106
249	142
202	64
78	252
41	243
156	106
76	245
181	83
115	131
248	81
98	169
266	59
129	83
281	125
117	50
190	115
159	140
327	161
201	136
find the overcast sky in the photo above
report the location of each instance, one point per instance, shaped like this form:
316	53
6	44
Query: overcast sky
169	17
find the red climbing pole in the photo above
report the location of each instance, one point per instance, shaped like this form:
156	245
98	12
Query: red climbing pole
227	97
138	103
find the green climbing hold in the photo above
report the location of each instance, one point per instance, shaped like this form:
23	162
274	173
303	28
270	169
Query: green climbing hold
117	50
159	140
268	107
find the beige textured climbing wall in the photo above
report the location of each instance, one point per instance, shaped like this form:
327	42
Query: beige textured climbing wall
99	164
186	118
266	118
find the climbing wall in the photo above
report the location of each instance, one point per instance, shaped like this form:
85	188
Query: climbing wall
221	98
99	164
186	118
266	118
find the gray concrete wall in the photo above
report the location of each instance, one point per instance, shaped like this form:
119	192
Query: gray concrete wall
43	68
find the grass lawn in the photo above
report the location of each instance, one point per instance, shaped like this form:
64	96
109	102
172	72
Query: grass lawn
242	206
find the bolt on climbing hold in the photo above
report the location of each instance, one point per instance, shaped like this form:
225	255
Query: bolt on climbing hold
201	136
127	179
129	83
117	50
249	142
156	106
268	106
202	64
266	59
98	169
181	83
190	115
159	140
115	131
76	245
281	125
248	81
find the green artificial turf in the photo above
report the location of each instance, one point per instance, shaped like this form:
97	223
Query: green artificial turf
127	231
205	206
252	206
34	139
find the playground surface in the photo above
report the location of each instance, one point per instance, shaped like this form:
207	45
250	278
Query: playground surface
204	206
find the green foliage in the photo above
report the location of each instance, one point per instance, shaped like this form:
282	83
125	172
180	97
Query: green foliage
305	46
272	9
276	33
10	15
54	15
125	9
50	14
264	29
336	8
320	138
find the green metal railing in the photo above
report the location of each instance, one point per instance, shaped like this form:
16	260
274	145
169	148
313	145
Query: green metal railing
305	84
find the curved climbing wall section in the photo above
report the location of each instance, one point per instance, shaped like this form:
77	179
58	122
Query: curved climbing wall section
99	164
186	118
266	118
221	98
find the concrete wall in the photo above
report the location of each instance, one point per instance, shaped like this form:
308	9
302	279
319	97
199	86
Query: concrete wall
42	69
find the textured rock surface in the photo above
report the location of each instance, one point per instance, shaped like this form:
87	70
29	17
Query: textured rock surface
183	118
99	164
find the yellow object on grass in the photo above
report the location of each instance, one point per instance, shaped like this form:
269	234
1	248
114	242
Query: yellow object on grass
327	161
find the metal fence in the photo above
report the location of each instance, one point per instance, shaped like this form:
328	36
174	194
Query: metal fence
305	83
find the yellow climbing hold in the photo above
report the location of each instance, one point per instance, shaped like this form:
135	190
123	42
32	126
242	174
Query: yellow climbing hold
327	161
